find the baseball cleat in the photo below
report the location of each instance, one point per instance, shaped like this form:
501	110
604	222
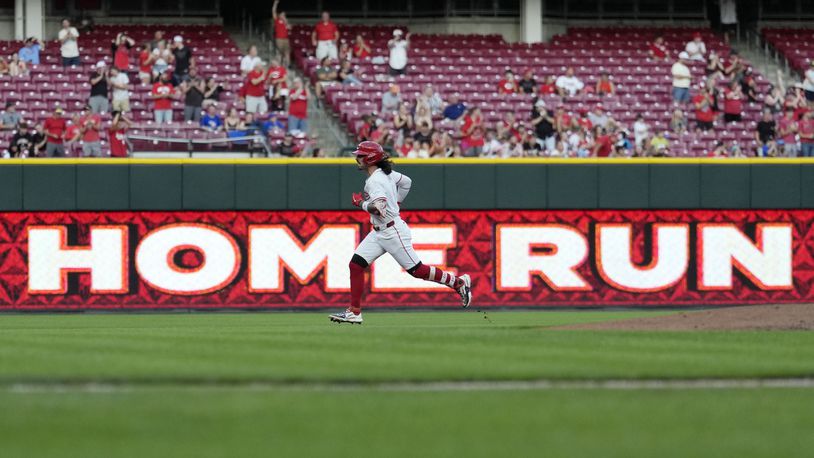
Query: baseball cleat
346	317
465	290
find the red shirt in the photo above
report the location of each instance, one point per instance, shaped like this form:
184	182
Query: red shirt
706	114
506	87
73	129
117	146
162	89
787	124
360	52
280	29
548	89
298	104
277	73
143	66
585	123
472	132
326	31
659	51
605	87
605	146
121	58
255	90
807	130
511	129
91	135
732	106
55	127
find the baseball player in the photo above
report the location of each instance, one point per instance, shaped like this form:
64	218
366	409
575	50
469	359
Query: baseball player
384	191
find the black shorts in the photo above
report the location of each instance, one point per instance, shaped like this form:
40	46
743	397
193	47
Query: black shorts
395	72
704	125
730	117
809	95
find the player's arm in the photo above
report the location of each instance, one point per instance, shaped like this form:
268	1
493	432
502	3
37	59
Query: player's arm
377	206
403	185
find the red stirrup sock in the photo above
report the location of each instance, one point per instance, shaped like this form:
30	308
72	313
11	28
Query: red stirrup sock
433	274
357	287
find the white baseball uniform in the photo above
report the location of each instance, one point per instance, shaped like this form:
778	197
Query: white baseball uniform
390	233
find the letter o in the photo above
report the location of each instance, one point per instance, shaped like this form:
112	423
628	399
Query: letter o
220	265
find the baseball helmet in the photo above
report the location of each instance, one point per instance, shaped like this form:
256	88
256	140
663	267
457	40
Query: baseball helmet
370	152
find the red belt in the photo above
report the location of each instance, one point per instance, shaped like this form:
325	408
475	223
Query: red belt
381	228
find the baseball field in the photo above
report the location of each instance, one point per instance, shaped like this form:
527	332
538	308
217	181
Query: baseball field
510	383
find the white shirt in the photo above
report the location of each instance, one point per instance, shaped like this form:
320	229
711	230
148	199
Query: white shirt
120	94
808	82
248	63
571	84
493	147
398	54
380	186
161	57
696	50
681	70
729	12
69	47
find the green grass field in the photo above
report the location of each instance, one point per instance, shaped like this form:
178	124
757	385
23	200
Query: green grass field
285	384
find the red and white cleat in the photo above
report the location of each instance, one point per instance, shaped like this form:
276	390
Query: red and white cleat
465	290
346	317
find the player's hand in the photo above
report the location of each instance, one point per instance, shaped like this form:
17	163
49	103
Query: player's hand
357	199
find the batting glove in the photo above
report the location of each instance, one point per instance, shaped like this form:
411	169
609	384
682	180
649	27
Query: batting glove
357	199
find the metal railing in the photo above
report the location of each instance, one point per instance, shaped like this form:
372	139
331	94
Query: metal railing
256	144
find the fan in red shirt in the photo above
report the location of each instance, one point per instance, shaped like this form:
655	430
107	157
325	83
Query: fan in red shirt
145	64
603	143
255	90
54	128
583	121
733	102
324	37
162	98
562	120
658	50
281	29
472	133
116	135
298	107
360	48
704	112
549	86
508	85
278	88
509	125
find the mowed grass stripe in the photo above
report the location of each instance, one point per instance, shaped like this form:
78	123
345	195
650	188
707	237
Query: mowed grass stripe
389	347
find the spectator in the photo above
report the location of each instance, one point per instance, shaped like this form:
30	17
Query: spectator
714	67
249	61
398	53
704	110
605	86
736	66
696	49
117	134
598	117
98	101
368	122
508	85
640	132
69	48
584	121
183	59
3	66
492	147
158	37
145	64
531	147
345	52
22	142
298	107
729	18
381	134
568	84
658	51
54	128
162	95
193	92
278	87
272	124
211	121
472	133
255	89
250	125
346	75
281	30
549	86
121	90
360	48
17	67
423	134
719	150
749	85
766	130
733	102
212	92
659	144
678	122
30	52
562	120
161	59
509	126
403	123
406	147
91	126
10	118
423	115
455	109
120	48
326	76
807	135
431	99
603	143
232	121
808	82
682	78
287	147
39	140
324	37
544	125
527	85
391	100
788	128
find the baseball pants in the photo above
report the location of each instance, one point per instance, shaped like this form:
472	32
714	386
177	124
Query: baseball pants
396	240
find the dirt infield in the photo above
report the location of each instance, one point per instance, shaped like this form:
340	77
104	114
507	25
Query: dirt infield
786	317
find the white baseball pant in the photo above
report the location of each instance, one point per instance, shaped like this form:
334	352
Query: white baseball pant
396	240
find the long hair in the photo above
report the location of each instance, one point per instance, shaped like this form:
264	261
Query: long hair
386	165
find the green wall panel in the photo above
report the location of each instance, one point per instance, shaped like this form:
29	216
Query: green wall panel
209	187
313	187
807	186
351	180
725	186
102	187
51	187
11	187
775	186
427	192
520	186
573	186
469	186
156	187
675	186
624	186
261	187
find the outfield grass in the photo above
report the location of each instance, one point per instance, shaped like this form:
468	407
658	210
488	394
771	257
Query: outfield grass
216	385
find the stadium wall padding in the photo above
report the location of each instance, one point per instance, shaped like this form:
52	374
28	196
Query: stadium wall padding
471	185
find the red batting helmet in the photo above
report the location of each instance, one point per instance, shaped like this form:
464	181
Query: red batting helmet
370	152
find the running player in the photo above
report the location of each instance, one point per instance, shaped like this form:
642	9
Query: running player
384	191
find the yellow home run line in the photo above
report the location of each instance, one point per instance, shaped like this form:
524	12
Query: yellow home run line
453	161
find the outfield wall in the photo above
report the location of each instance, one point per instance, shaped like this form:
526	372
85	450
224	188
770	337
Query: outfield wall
271	234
